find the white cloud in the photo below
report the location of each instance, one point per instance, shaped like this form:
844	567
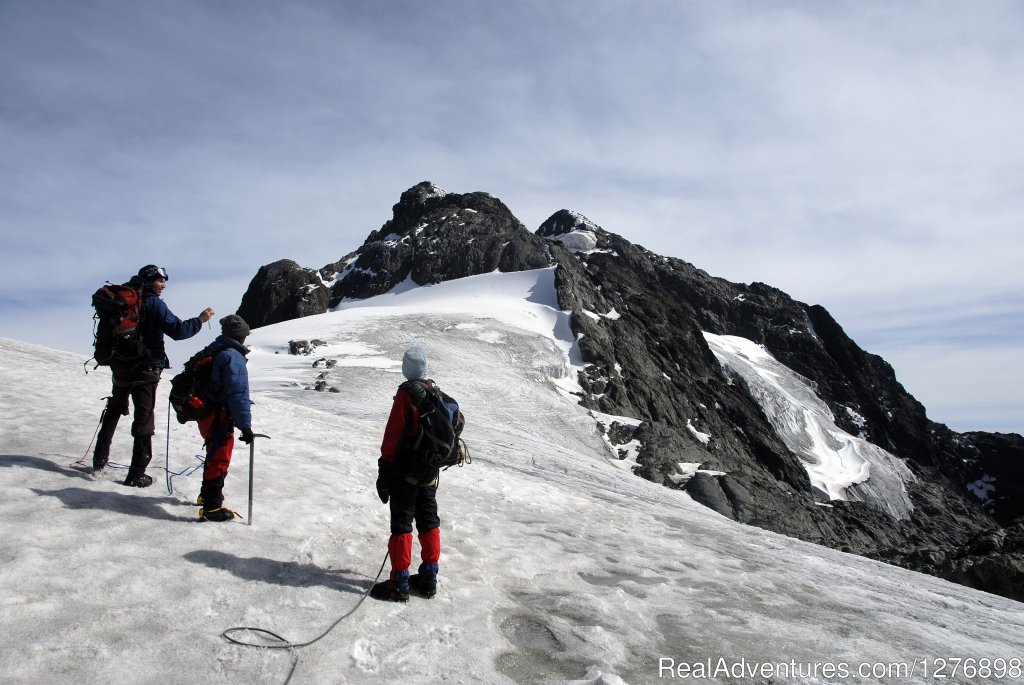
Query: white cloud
852	155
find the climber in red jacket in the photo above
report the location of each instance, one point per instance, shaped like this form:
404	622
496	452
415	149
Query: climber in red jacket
411	488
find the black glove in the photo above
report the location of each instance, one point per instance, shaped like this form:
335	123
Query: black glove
385	471
247	437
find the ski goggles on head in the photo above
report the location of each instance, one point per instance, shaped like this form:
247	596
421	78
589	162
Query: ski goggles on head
154	272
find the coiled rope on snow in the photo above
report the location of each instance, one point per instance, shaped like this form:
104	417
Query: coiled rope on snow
284	643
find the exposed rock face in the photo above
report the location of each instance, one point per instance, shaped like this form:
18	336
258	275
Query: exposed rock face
993	561
436	236
306	347
433	236
994	464
650	361
640	319
282	291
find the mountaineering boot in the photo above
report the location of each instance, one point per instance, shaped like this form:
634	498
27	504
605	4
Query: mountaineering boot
219	514
141	454
211	494
424	583
142	481
394	589
99	462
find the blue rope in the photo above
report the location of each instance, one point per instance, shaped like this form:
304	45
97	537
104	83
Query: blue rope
170	475
184	473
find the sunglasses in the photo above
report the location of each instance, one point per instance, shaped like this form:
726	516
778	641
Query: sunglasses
155	273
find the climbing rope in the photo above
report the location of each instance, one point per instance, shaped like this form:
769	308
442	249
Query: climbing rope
81	462
290	646
184	473
170	475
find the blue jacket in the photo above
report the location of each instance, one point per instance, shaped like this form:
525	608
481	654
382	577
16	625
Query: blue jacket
229	381
158	321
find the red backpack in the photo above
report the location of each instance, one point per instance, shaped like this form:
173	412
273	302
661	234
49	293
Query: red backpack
117	340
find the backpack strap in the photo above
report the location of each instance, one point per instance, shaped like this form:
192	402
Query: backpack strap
210	351
419	390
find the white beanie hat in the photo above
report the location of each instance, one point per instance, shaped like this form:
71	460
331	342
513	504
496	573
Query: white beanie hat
414	363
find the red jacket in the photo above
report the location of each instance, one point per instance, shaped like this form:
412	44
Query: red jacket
403	421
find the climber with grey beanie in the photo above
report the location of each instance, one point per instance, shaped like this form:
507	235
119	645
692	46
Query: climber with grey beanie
410	488
229	396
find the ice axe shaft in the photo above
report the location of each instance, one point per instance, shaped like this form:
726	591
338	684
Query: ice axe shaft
252	460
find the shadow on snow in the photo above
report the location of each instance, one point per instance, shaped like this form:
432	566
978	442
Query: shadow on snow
287	573
43	464
133	504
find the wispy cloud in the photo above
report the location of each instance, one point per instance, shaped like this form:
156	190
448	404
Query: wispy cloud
865	156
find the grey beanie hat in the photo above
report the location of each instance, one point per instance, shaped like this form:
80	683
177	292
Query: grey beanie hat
234	326
414	363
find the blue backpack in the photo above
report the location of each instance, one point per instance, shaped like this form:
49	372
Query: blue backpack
438	444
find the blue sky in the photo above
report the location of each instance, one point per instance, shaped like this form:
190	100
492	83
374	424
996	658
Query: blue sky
863	156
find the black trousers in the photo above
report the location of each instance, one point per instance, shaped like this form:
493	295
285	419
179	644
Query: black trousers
140	388
412	502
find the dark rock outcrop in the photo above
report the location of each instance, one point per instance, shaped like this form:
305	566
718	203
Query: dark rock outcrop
993	561
640	320
306	347
436	236
994	470
283	291
433	236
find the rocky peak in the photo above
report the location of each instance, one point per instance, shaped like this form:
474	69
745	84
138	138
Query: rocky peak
640	320
575	231
432	236
436	236
407	214
421	192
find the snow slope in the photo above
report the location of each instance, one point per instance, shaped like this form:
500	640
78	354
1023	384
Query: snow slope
558	565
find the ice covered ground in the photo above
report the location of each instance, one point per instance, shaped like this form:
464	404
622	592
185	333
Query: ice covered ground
840	465
558	565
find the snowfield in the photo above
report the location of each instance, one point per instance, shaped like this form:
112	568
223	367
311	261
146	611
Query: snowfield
557	564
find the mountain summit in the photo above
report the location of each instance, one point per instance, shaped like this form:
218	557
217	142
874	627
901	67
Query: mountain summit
433	236
828	447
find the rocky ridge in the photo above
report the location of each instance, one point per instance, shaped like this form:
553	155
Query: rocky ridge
640	319
433	236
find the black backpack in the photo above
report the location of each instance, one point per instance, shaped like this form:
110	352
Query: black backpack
438	444
190	389
117	337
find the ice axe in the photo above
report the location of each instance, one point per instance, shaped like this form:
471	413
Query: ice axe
252	459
